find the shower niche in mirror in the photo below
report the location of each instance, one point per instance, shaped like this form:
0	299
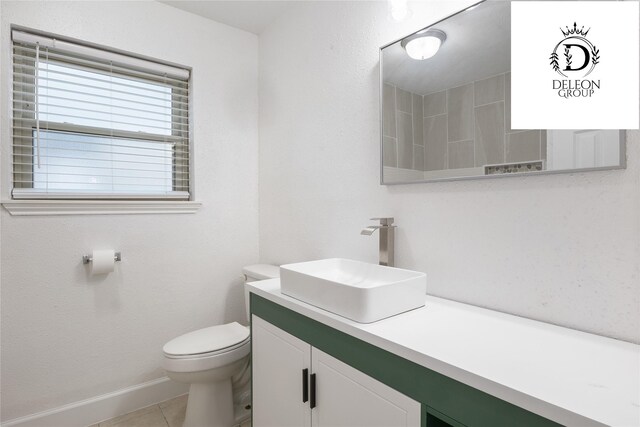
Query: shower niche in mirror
445	108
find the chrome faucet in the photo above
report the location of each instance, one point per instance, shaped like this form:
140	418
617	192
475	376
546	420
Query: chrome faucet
387	239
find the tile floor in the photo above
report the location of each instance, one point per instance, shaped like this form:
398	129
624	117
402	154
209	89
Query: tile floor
164	414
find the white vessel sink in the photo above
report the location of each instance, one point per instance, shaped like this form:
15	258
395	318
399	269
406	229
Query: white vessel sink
356	290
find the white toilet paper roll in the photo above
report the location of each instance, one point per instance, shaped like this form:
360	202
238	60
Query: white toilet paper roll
103	261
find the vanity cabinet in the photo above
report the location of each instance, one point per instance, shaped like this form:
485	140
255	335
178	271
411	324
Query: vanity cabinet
357	383
296	384
278	362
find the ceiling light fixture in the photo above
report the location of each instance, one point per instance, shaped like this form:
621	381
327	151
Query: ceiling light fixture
425	44
399	9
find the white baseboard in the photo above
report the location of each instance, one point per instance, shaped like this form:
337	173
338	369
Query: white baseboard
100	408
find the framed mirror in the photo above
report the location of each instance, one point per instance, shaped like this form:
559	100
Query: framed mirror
445	108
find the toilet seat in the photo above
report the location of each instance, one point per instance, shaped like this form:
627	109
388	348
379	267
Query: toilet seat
206	341
209	353
207	348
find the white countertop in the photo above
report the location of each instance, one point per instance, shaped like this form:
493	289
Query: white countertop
571	377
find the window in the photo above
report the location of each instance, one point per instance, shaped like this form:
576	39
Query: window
89	123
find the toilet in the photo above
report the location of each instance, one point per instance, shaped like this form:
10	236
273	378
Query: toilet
215	361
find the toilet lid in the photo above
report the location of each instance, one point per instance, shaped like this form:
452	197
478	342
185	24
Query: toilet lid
207	340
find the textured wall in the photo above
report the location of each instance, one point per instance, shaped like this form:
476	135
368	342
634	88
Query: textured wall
67	337
563	248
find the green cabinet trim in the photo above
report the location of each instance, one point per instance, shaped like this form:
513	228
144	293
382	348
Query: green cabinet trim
439	394
433	418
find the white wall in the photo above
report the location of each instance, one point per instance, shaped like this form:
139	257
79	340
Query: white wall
67	337
563	249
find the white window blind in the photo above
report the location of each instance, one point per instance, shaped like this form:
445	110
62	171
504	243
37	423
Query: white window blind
90	123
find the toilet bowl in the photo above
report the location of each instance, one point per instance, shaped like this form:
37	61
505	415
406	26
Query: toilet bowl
207	359
215	361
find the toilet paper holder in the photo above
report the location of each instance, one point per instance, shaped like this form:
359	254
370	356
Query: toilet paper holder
86	259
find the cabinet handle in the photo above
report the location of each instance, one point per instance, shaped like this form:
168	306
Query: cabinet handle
305	385
312	404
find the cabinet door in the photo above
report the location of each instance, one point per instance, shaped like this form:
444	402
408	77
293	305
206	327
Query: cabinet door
571	149
278	361
345	397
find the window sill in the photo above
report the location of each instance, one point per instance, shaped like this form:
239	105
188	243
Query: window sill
98	207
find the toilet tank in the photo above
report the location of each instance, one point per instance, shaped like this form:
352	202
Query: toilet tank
257	272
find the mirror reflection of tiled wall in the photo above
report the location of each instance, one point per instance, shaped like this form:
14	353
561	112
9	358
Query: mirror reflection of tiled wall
403	144
462	127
